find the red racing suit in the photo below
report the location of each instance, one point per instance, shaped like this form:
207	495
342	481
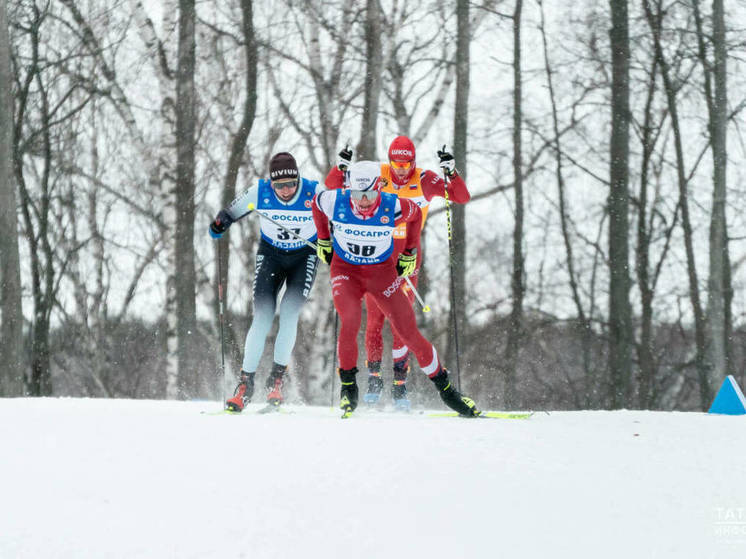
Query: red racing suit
421	188
352	281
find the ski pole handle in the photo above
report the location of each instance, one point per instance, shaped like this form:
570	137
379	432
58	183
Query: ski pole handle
281	226
425	307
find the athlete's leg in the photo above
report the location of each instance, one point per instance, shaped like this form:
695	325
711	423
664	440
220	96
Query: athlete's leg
373	349
267	281
400	356
347	291
299	281
373	330
386	290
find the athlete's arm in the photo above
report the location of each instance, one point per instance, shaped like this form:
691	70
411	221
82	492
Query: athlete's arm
322	208
335	178
433	185
240	206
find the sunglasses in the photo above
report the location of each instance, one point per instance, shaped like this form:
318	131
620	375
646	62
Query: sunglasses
401	164
360	194
288	183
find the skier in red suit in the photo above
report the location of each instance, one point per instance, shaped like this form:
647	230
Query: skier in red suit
402	177
359	245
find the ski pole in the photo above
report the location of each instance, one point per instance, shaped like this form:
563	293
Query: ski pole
281	226
425	307
450	269
220	313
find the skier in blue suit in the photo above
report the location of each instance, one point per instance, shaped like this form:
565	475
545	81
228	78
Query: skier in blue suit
281	259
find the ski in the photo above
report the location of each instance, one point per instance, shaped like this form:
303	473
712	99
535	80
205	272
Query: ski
488	415
272	407
347	412
269	408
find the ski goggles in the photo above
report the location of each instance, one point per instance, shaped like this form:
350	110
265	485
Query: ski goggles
285	183
401	164
360	194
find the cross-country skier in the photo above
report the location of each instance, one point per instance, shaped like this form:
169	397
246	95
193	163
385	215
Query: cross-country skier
400	176
360	248
281	259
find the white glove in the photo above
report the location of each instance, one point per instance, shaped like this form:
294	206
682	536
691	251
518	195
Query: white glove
447	162
344	158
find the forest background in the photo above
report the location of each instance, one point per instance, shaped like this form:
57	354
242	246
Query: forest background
599	263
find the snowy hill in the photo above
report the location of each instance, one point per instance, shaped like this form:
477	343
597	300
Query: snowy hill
130	479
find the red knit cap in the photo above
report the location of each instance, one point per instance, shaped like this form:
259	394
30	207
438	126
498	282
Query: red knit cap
401	149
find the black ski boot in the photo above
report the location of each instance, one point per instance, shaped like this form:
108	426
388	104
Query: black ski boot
274	384
243	393
399	389
375	383
464	405
348	392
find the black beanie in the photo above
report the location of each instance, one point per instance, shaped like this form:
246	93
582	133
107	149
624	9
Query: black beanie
282	166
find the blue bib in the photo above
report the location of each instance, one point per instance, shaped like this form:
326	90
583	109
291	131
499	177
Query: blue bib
296	217
363	241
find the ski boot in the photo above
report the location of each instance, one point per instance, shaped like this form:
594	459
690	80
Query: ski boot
243	393
348	393
274	384
399	390
375	383
464	405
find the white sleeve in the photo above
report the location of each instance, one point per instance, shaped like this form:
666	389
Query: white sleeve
325	201
240	206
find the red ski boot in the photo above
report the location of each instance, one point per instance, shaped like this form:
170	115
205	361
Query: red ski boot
243	393
274	385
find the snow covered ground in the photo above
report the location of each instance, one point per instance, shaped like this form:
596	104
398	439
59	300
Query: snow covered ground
129	479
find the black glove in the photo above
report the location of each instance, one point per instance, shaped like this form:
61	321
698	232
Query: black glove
221	224
407	262
344	159
447	162
324	250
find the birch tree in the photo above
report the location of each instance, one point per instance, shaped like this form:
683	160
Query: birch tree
458	322
517	287
719	289
184	202
366	148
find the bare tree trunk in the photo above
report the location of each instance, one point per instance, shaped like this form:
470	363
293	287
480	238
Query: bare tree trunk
620	314
642	254
700	326
366	148
719	289
184	245
161	173
457	319
238	147
11	315
515	324
36	218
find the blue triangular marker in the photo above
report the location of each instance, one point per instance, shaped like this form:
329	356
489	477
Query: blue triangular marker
730	399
